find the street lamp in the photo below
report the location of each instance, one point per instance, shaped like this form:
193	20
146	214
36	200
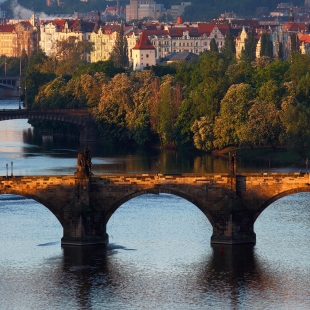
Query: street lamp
25	96
19	95
306	165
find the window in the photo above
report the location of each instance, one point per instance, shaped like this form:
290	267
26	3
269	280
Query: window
147	55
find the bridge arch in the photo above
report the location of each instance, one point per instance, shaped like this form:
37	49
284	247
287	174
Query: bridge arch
81	118
38	199
180	194
267	203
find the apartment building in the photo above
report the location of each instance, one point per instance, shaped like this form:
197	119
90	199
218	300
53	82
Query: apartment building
62	29
14	39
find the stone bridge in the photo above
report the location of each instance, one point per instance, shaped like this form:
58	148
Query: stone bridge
83	205
10	87
82	118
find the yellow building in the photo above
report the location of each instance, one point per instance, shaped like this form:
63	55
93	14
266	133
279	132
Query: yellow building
104	38
7	36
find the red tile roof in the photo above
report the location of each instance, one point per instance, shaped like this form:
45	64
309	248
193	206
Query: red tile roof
144	43
292	26
7	28
305	38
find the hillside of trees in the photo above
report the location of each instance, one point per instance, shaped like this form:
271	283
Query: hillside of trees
210	103
201	10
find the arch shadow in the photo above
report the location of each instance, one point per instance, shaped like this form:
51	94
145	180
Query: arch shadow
37	199
158	191
267	203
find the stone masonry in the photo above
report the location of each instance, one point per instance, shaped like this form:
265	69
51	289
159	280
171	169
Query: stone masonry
84	205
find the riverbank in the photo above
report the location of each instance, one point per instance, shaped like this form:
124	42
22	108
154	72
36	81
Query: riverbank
280	155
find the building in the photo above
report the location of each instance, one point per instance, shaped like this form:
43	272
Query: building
240	43
140	9
103	37
62	29
178	10
7	35
143	53
18	38
26	39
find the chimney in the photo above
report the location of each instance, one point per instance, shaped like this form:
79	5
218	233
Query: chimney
180	20
117	7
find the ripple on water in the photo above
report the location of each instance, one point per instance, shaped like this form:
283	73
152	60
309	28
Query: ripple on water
159	257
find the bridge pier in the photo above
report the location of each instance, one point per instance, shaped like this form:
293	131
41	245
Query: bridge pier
233	223
83	224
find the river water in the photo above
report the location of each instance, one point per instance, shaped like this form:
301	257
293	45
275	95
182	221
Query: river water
159	255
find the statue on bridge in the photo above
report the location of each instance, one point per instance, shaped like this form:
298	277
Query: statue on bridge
232	163
84	162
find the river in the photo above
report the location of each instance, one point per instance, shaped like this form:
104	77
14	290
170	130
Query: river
159	255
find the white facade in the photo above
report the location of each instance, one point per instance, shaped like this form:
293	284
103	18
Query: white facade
59	30
143	58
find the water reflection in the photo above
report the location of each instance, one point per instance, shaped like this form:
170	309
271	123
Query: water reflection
232	277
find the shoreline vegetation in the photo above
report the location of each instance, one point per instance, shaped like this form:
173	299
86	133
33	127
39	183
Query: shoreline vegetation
279	155
207	104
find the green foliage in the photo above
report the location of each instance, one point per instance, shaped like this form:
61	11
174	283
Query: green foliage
119	54
266	48
296	120
294	43
211	102
240	72
123	110
162	70
230	125
229	49
106	67
203	130
213	46
248	54
264	126
299	67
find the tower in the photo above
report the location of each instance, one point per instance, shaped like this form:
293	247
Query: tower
143	53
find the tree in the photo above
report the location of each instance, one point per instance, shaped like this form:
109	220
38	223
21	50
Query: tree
169	104
296	120
299	67
106	67
266	48
230	125
213	46
203	133
119	54
294	43
249	51
229	49
70	55
264	126
240	72
280	52
72	49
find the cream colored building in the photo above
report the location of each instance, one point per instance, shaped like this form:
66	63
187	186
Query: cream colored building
62	29
240	43
7	36
143	53
103	38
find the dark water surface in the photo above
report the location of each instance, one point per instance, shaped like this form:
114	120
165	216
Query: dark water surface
159	255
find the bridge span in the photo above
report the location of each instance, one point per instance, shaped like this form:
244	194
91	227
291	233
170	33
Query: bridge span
83	205
10	87
82	118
